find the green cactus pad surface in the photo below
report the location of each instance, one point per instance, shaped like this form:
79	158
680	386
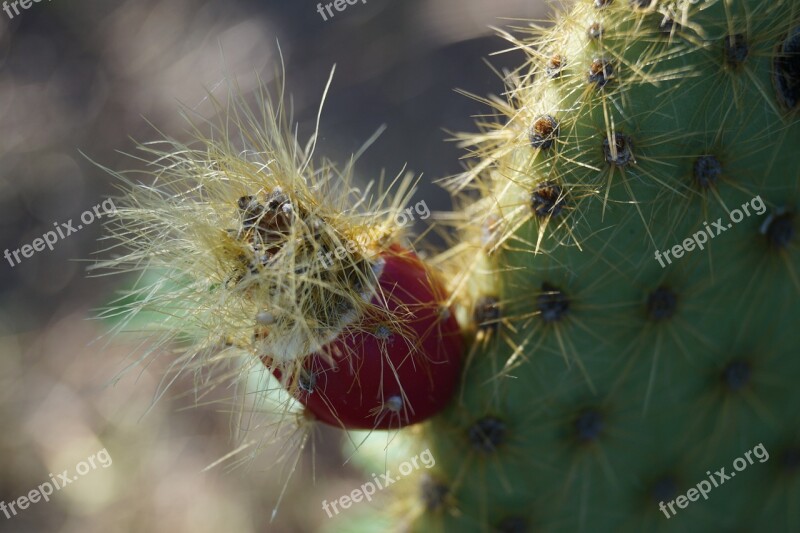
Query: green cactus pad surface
633	276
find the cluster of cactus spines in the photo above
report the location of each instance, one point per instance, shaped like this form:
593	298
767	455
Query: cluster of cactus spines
268	264
601	379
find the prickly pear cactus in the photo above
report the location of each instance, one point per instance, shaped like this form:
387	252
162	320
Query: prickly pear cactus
630	273
625	284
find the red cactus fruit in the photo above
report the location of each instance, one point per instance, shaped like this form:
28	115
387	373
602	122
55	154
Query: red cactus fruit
397	366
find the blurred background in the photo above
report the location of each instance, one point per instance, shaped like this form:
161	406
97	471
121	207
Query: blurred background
85	77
